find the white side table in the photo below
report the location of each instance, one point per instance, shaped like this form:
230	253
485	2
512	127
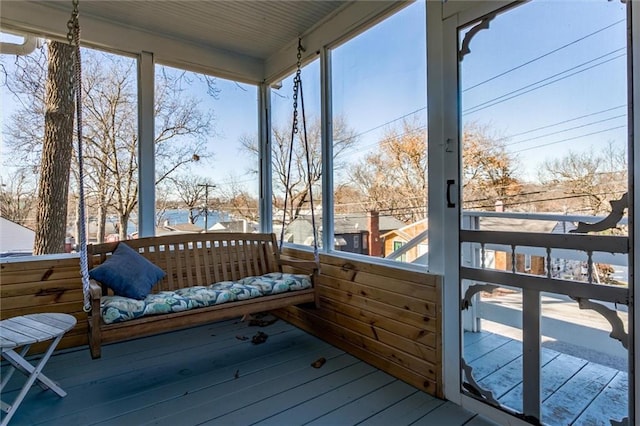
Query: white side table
23	331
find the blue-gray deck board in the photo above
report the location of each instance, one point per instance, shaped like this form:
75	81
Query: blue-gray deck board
573	391
208	374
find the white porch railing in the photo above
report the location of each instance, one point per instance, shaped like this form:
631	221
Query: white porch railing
478	248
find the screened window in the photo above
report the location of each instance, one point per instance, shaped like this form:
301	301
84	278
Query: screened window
380	136
206	153
39	191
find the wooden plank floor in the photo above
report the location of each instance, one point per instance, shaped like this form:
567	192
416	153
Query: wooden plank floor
212	375
574	391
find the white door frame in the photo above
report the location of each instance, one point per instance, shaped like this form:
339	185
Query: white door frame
443	21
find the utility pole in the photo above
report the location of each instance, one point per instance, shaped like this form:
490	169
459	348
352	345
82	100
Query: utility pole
206	187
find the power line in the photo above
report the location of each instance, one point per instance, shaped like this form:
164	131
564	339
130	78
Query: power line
565	197
386	141
569	139
543	55
561	122
518	67
506	97
565	130
382	125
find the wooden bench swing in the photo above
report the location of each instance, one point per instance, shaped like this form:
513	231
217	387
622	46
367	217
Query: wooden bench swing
188	260
195	260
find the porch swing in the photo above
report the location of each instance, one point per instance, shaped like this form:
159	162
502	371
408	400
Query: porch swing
157	284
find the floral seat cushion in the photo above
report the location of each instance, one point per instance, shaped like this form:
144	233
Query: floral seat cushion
118	309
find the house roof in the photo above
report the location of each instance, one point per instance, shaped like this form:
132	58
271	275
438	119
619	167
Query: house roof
15	238
234	226
184	227
409	231
521	225
352	223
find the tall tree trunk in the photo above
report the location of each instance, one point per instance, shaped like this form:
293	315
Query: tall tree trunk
57	147
124	224
102	223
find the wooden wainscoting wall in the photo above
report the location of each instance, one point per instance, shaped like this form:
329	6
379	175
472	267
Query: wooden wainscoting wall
388	317
37	286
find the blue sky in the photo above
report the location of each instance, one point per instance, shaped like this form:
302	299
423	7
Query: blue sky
593	33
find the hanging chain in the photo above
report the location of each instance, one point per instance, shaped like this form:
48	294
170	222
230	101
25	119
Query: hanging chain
296	86
297	94
73	28
294	130
73	37
73	25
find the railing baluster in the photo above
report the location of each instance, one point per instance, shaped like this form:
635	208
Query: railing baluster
513	258
482	256
549	266
590	267
531	312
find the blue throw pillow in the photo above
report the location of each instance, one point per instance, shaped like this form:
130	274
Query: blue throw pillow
128	273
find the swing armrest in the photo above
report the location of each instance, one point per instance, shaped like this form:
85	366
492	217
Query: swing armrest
95	290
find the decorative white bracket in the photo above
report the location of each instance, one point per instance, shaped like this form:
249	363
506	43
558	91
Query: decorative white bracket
473	387
617	327
609	222
465	303
482	25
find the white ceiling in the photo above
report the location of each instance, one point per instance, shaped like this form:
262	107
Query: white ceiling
254	28
245	39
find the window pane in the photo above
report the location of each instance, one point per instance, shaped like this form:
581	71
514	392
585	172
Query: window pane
301	178
535	140
40	168
544	129
206	162
380	138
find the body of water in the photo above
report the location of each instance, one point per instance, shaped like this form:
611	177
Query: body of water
177	216
182	216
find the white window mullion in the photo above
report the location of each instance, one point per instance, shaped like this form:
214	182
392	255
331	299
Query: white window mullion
146	146
443	165
634	164
265	175
326	117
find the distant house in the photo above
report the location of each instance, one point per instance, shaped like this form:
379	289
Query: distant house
241	225
394	240
178	228
354	232
528	263
16	239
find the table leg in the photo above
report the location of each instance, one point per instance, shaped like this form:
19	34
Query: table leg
35	375
7	376
19	363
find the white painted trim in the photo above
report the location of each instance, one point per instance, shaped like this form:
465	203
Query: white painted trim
47	18
435	149
634	184
348	21
146	146
264	141
469	10
452	218
28	45
531	326
326	118
444	223
38	258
